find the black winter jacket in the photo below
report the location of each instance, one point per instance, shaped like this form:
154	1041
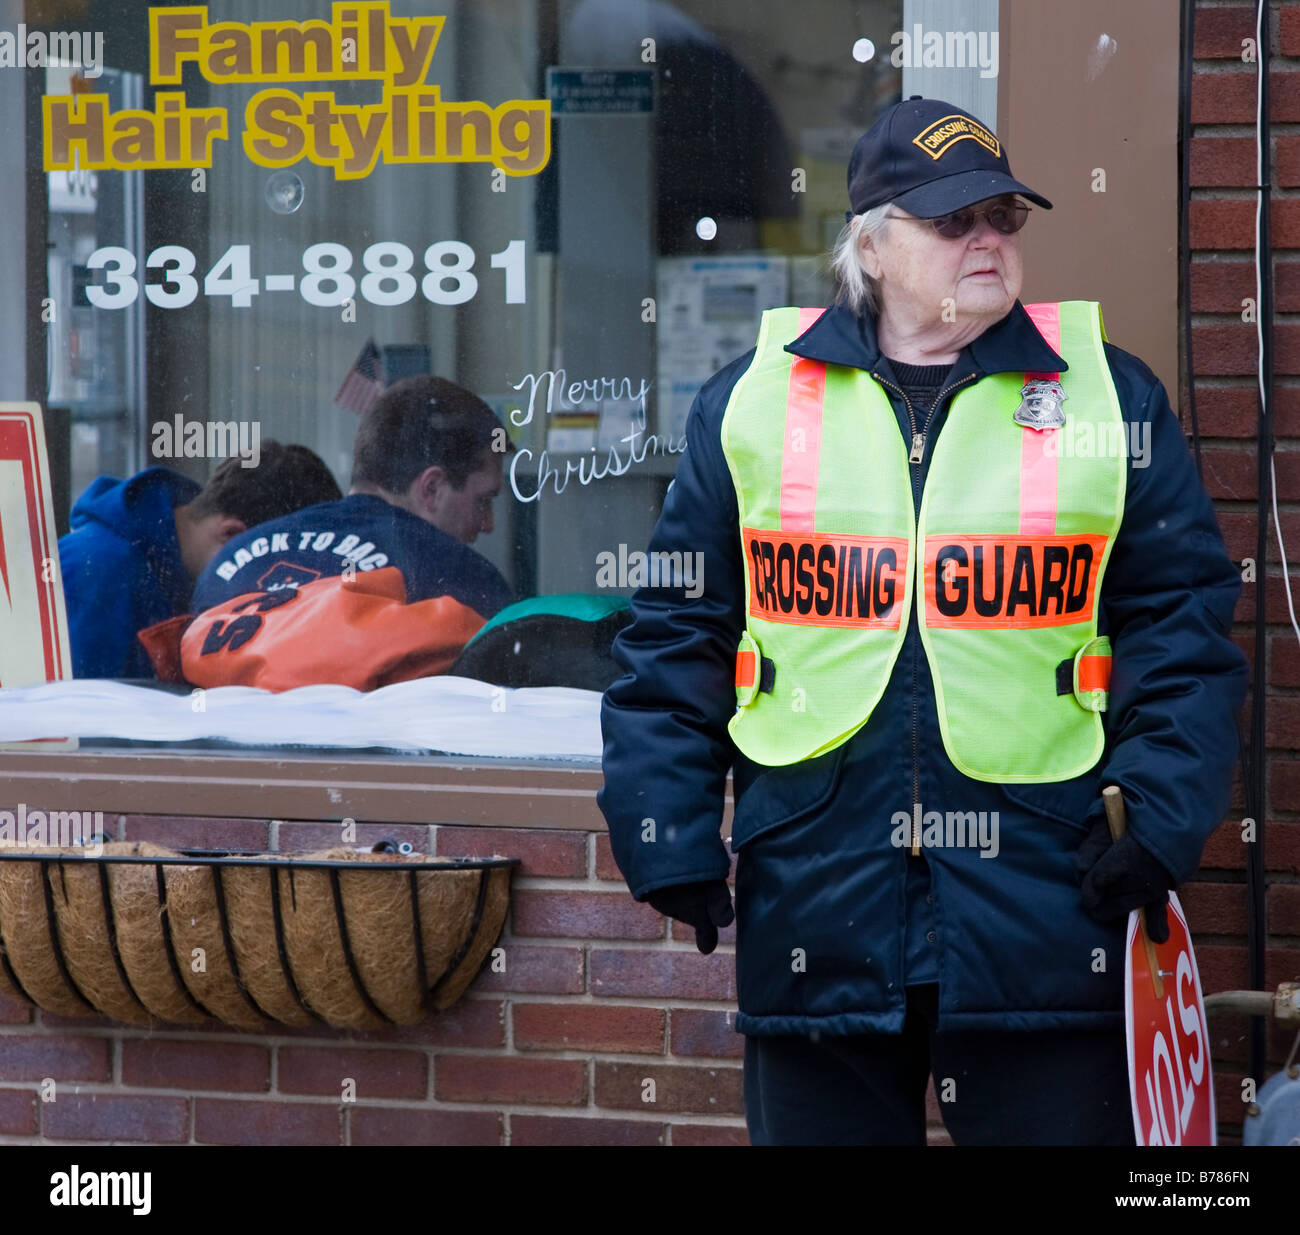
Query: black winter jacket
821	897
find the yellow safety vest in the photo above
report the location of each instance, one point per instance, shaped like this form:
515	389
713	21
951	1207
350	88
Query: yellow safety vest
1015	530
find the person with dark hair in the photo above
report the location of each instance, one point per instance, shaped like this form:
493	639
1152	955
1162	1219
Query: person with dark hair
427	447
287	478
136	546
426	468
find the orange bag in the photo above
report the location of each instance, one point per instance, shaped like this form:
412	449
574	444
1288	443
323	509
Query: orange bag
355	631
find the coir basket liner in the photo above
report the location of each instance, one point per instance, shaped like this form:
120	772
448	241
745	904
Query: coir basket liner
144	934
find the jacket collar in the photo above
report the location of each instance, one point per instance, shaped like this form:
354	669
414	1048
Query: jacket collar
1011	345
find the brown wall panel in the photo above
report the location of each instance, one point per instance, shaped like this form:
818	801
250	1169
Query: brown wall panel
1066	108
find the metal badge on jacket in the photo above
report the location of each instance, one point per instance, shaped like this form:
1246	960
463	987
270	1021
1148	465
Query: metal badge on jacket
1040	405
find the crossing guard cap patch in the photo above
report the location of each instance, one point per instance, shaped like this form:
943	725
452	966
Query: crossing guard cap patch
937	139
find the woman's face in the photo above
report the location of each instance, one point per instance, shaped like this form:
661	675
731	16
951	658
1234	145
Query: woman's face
927	278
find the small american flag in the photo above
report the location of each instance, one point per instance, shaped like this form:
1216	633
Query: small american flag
362	386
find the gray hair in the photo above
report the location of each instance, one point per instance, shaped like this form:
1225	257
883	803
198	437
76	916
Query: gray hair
858	290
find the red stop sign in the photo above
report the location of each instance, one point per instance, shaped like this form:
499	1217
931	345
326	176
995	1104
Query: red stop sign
1168	1041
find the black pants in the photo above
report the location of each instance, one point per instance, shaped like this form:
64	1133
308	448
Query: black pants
1049	1087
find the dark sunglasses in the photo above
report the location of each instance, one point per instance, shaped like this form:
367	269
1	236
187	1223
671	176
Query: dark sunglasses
1002	218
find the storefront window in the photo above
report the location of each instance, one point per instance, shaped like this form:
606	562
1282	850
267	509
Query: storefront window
254	219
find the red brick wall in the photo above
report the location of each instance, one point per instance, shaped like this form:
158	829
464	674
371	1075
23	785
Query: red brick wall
1223	171
597	997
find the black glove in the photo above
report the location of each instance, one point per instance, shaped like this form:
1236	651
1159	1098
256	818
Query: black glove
705	906
1121	876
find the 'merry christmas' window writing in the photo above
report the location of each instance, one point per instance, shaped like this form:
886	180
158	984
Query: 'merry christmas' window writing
362	41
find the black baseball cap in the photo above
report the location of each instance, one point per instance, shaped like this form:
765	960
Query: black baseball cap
930	158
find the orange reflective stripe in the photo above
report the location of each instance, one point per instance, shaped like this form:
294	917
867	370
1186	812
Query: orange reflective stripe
1047	317
1016	581
827	579
803	436
1037	483
745	668
1094	673
1037	463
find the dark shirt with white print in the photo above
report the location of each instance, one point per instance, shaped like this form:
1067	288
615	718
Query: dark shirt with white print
362	530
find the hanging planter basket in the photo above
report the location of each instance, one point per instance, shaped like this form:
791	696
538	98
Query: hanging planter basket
143	934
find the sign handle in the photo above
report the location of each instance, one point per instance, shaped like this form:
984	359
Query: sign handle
1113	801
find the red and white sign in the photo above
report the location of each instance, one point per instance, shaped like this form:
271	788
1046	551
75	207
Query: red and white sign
1168	1041
33	621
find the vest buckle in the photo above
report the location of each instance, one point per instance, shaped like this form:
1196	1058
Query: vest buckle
755	673
1086	674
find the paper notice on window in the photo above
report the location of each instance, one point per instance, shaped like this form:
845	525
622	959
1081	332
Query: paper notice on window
708	312
572	432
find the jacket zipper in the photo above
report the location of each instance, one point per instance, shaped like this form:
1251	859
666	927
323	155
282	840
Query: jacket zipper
916	455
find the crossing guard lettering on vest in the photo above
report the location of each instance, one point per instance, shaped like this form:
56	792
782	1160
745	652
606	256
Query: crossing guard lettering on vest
1014	537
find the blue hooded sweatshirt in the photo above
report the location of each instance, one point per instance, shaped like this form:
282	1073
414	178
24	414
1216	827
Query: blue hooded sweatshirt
122	569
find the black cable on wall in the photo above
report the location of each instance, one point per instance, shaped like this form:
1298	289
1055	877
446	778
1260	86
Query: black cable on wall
1185	209
1253	754
1255	785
